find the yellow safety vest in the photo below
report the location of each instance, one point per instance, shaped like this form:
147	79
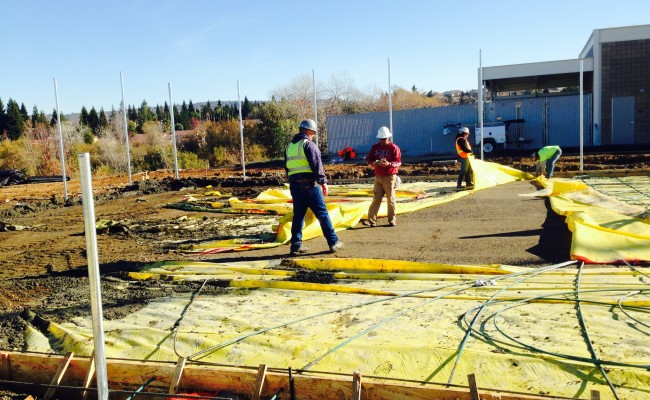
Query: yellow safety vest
297	162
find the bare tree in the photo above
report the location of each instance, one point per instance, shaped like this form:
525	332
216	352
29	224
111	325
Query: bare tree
299	92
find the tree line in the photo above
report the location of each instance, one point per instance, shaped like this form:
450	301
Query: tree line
30	140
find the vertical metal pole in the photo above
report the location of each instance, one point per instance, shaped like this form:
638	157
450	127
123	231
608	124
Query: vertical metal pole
241	133
480	96
581	115
93	274
313	80
390	102
169	85
61	152
126	132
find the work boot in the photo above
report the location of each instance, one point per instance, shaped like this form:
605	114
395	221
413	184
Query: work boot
300	250
336	246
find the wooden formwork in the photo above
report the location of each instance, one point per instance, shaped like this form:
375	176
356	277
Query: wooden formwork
49	371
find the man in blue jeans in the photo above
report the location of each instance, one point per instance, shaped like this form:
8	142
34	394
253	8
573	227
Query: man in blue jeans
308	185
550	155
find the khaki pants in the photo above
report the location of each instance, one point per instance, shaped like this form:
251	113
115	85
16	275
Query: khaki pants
384	185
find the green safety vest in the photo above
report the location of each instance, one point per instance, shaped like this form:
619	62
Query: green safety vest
297	162
547	152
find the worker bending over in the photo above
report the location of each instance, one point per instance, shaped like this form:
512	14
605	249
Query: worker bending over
547	156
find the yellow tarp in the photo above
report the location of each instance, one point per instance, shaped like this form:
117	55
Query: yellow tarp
604	229
394	320
347	205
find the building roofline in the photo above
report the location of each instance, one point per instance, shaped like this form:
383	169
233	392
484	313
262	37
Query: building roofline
538	68
616	34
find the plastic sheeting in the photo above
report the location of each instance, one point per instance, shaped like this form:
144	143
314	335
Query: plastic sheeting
633	190
395	320
347	205
605	230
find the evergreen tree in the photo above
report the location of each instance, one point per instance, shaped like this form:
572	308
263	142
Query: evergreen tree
177	115
218	111
53	119
159	114
190	108
184	117
206	112
83	118
42	118
144	114
103	121
23	112
15	121
245	108
229	112
34	116
132	113
274	131
112	115
93	121
166	116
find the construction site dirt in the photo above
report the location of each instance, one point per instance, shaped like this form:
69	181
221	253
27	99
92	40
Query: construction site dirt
43	263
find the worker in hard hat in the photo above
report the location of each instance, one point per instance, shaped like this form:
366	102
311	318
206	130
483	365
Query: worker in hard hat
464	150
385	157
547	156
308	185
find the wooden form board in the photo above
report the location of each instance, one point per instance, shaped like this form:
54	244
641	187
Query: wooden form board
39	368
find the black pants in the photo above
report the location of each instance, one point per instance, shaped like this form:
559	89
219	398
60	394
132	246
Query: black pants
465	173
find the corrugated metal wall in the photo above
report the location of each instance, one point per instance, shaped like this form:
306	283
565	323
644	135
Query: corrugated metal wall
416	132
548	120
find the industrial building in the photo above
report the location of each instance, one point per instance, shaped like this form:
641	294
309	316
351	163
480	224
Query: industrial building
527	106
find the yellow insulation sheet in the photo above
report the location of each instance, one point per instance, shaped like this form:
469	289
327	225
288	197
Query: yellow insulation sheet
604	229
395	320
347	205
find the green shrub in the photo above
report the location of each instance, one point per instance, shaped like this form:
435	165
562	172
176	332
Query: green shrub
255	152
188	160
153	160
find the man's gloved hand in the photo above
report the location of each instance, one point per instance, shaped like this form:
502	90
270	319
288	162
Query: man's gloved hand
324	187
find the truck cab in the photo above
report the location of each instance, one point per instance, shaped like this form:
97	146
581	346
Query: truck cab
493	136
496	135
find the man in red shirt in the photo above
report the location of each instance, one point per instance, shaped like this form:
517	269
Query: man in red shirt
385	157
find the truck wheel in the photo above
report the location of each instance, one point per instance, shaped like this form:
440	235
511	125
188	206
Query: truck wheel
488	147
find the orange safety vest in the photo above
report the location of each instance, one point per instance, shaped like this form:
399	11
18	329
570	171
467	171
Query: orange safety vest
461	152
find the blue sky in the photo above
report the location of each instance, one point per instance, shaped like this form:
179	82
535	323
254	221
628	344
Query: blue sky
204	47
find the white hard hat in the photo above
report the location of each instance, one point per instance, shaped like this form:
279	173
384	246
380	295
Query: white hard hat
309	124
464	129
383	133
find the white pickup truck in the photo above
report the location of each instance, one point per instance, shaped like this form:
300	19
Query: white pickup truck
496	136
493	136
